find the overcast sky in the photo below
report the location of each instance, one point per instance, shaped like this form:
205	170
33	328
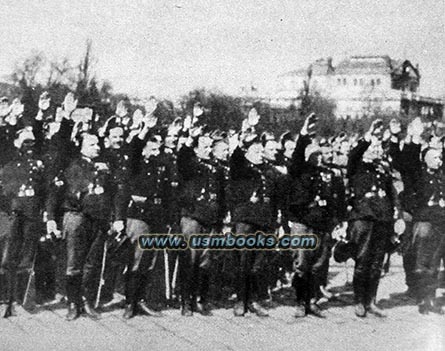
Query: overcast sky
169	47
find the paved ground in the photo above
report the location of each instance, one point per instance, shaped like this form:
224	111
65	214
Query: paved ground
403	329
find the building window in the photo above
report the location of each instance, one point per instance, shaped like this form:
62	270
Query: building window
344	81
339	81
361	81
372	82
378	81
355	81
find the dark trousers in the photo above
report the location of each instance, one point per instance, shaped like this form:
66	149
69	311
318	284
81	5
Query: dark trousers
85	239
141	265
427	246
311	266
408	255
45	272
249	264
371	240
19	254
194	266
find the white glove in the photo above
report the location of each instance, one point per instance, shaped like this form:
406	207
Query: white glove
118	226
51	227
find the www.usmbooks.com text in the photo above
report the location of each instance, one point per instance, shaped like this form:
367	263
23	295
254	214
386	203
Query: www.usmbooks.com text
227	241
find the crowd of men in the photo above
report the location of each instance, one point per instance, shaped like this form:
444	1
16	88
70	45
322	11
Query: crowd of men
75	197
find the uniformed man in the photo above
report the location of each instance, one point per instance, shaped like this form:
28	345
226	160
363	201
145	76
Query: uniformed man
222	269
371	222
251	211
406	160
426	201
200	210
312	209
276	175
339	202
53	130
169	156
148	190
23	190
117	154
90	203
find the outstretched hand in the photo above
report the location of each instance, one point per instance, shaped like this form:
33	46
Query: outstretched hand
309	125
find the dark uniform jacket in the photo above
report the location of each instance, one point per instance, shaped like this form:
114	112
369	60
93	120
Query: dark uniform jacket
222	175
426	199
7	136
148	189
275	185
23	186
372	192
172	211
245	180
316	197
88	188
198	197
406	161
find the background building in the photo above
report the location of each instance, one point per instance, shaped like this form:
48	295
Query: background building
360	85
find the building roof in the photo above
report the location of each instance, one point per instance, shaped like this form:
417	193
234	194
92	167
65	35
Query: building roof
373	65
365	65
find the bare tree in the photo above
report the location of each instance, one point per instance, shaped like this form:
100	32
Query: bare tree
61	72
86	65
26	73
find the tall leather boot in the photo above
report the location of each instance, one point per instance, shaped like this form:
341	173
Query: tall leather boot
73	292
10	294
131	291
359	286
300	286
371	297
3	288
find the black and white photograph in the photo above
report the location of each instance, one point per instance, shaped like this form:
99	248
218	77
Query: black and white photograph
222	175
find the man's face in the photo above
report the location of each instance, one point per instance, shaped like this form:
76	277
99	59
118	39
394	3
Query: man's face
90	146
271	150
116	138
28	146
326	154
221	151
254	153
170	142
151	149
344	147
289	148
204	148
433	159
